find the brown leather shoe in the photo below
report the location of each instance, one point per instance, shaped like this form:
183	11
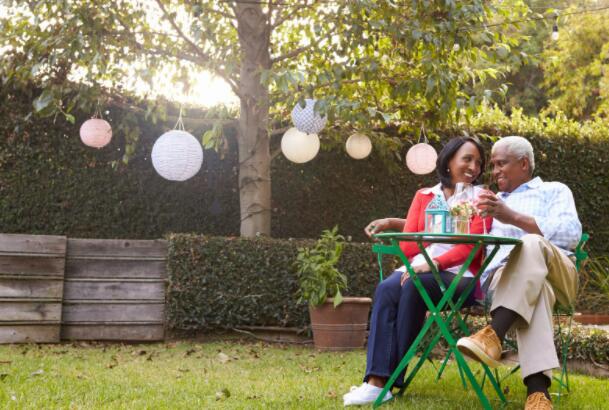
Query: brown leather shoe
483	346
538	401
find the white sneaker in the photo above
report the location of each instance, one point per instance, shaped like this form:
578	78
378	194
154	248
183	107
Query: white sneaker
364	394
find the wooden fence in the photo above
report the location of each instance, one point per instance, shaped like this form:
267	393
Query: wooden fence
54	288
31	287
114	290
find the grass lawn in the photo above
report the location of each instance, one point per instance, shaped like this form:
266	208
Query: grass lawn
231	375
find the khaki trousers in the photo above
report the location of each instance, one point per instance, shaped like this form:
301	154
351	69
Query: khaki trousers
536	275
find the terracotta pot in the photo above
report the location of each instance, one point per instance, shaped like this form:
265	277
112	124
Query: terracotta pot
591	318
343	328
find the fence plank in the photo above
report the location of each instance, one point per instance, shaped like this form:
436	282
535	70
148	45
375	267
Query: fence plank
117	247
113	290
17	243
31	289
29	311
116	312
92	268
29	334
31	265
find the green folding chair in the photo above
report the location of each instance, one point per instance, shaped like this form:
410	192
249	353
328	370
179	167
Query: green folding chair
563	330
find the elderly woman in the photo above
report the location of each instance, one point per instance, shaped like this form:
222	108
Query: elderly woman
398	311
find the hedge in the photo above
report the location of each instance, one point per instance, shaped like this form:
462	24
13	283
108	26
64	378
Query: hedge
225	283
217	282
50	183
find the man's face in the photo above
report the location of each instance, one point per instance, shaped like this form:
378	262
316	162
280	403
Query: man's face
508	171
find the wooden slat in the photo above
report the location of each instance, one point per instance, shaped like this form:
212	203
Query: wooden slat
117	247
29	334
32	265
114	290
16	243
29	311
119	312
31	289
143	333
83	268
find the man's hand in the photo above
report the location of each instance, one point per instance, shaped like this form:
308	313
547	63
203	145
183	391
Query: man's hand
495	207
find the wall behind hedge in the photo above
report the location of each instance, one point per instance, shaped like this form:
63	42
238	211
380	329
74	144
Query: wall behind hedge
50	183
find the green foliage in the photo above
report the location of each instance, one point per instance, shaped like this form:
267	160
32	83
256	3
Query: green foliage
594	285
391	65
217	282
576	71
316	267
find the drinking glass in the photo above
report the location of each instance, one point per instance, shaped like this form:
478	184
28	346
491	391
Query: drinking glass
481	210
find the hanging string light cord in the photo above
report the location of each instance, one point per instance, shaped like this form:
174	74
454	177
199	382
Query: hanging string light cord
97	113
179	124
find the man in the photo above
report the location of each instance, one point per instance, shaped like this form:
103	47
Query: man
527	279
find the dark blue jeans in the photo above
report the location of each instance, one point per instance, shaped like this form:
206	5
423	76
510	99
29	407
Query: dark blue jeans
398	314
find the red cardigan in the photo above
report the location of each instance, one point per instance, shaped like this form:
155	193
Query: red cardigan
415	222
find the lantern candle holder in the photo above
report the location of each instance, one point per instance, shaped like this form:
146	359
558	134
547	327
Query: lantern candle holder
437	216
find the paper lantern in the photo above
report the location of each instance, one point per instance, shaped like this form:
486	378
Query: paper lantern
306	119
177	155
421	158
95	133
358	146
299	147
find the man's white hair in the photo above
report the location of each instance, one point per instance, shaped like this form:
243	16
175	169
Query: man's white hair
517	146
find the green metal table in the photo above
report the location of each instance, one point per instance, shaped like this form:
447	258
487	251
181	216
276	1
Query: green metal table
389	244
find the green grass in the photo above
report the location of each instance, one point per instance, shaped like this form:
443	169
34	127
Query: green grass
187	375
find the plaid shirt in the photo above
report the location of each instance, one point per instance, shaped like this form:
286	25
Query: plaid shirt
552	206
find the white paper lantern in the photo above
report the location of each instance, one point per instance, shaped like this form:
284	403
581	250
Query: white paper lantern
358	146
95	133
177	155
421	159
299	147
306	119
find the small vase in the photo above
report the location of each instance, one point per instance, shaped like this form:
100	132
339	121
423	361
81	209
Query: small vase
460	224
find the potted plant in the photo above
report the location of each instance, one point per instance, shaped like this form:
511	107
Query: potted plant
338	322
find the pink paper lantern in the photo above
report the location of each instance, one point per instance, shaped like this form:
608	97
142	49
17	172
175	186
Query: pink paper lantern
96	133
421	159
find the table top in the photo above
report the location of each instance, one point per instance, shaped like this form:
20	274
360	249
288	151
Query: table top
447	238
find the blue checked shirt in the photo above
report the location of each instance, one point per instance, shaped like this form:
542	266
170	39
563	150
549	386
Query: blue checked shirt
552	206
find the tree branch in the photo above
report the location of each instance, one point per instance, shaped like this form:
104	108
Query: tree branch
290	15
204	56
291	54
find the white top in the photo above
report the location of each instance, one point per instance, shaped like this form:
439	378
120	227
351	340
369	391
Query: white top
437	249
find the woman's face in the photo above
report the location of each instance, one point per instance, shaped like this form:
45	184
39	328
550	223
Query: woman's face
465	165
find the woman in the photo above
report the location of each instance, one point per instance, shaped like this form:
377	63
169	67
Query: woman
398	311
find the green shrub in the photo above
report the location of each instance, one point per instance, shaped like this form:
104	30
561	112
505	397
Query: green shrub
217	282
318	277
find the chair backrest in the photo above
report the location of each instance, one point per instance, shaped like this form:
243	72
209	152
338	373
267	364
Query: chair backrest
580	254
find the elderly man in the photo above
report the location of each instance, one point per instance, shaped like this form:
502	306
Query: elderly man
527	279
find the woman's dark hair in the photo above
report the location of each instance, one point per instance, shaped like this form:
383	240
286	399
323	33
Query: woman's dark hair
449	151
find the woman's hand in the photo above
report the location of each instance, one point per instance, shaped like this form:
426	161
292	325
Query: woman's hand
377	226
424	267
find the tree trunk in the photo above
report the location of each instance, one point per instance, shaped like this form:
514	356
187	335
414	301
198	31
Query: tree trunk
254	151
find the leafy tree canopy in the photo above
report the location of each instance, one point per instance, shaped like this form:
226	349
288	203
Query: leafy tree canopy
372	64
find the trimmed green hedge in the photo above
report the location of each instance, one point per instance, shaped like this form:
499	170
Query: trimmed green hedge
217	282
223	283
